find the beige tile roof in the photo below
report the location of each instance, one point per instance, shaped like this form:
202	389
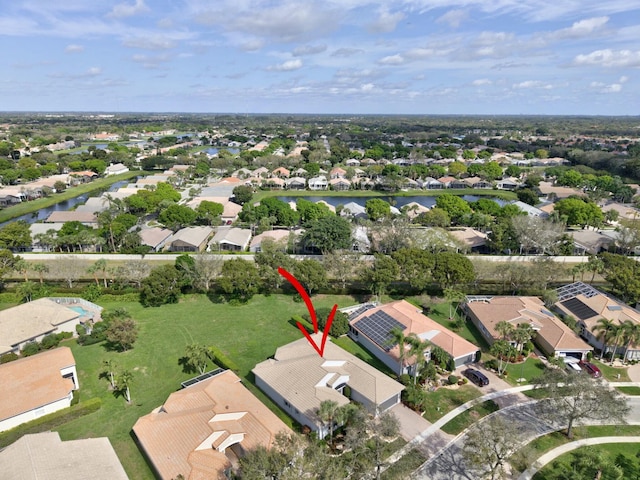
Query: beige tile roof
72	216
154	236
305	379
229	208
469	236
531	310
31	382
410	316
275	235
191	235
44	456
181	436
31	319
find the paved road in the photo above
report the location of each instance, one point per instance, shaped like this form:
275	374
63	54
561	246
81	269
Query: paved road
448	464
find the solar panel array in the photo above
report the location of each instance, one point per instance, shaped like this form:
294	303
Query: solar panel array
377	327
579	309
361	310
200	378
574	289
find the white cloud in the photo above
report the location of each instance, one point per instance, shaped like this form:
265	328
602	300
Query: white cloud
609	58
392	60
583	28
604	88
151	42
623	79
367	87
287	66
151	61
308	50
93	72
252	45
72	48
529	84
454	17
126	10
347	52
481	81
386	22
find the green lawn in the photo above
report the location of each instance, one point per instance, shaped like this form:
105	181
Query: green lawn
469	417
445	399
363	354
611	373
405	466
531	369
248	334
629	390
440	313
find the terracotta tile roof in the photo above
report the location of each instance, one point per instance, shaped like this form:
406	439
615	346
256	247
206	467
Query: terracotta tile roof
423	326
30	320
31	382
45	456
605	307
305	379
185	434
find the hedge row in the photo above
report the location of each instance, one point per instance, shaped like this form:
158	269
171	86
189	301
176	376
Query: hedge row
219	358
49	422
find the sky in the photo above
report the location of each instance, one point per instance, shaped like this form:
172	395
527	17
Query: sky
548	57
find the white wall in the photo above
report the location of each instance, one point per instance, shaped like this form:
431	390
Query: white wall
36	413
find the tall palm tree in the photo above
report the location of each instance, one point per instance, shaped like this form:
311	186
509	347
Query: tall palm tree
124	380
327	414
604	331
631	336
595	266
505	329
398	337
618	338
41	269
522	334
417	347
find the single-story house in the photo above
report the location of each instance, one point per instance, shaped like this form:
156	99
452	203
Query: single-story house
474	240
36	385
360	237
116	169
155	237
587	305
39	229
352	162
340	184
477	182
281	172
318	183
86	218
190	239
298	380
281	237
230	210
553	337
413	209
371	327
510	183
260	172
45	456
274	183
230	238
590	241
529	209
296	183
353	210
431	183
94	205
31	321
202	430
337	172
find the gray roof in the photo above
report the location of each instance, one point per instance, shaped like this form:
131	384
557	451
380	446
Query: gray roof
45	456
154	236
232	236
354	209
71	216
94	205
31	319
304	378
191	235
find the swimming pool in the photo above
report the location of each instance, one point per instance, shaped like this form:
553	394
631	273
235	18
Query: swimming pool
81	310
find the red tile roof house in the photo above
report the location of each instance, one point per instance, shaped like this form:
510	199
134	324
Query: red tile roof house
298	380
553	337
202	430
37	385
370	326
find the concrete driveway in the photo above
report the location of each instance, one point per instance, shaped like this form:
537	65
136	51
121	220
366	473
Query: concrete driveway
496	384
411	424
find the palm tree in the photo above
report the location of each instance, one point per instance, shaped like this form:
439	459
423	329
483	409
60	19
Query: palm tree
502	350
110	366
617	337
398	337
595	266
505	329
40	269
124	380
327	414
604	331
452	295
631	335
522	334
417	348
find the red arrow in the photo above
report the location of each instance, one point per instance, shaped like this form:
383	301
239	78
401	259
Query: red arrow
312	312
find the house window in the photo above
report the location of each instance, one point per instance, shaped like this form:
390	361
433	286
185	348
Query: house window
340	388
287	403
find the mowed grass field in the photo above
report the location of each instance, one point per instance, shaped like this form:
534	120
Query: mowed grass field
248	334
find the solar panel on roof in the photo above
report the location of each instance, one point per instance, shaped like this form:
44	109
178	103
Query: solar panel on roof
377	327
200	378
546	312
614	307
579	309
360	311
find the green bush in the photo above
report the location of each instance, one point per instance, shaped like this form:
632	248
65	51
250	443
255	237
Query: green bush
49	422
220	359
453	380
9	297
8	357
339	326
347	391
30	348
405	379
50	341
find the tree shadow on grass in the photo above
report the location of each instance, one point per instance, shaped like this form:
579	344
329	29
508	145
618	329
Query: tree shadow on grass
186	366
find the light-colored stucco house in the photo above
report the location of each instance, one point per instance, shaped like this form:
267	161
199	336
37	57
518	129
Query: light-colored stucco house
31	321
37	385
45	456
231	239
298	380
552	336
155	237
201	431
190	239
370	325
318	183
280	237
587	305
116	169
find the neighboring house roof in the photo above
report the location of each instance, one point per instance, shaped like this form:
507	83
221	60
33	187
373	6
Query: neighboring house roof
305	379
353	209
31	382
71	216
339	181
414	321
230	209
471	237
625	211
547	188
530	210
275	235
116	168
587	304
45	456
531	310
232	236
36	228
592	241
189	434
192	235
154	236
94	205
30	320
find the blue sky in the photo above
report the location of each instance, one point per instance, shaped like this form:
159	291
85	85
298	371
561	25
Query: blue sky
332	56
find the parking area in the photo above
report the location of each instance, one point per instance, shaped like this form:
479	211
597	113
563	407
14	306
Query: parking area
496	384
411	424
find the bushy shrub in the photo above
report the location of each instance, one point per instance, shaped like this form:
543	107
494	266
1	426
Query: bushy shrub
50	341
347	391
491	364
8	357
414	397
30	348
452	379
218	357
405	379
339	326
